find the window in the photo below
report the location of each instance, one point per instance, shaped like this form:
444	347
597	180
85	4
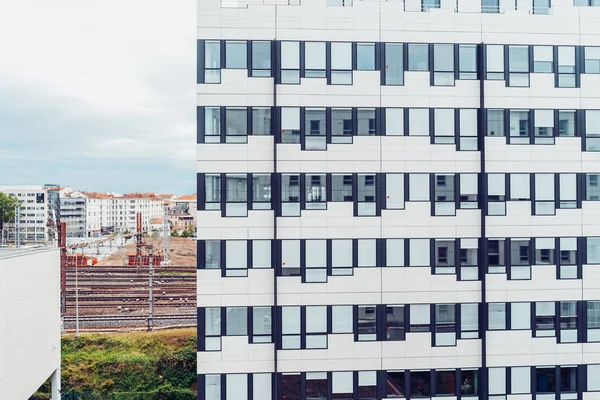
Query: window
469	270
592	60
470	382
544	251
566	123
236	258
394	327
541	6
342	386
290	125
290	322
545	312
519	127
490	6
394	186
341	317
520	380
444	256
261	191
367	323
366	195
212	124
316	261
469	321
446	382
544	126
543	59
290	257
419	253
443	125
261	325
314	59
520	259
394	121
519	187
593	321
496	316
495	122
316	327
367	252
496	194
418	57
418	187
567	190
544	194
212	61
419	318
468	129
290	62
365	56
212	254
262	386
592	130
261	59
418	122
367	385
394	65
568	258
212	329
341	63
394	252
566	66
341	258
428	4
593	250
545	380
497	381
212	387
290	195
467	61
235	54
236	125
341	187
495	61
366	122
291	386
520	316
236	321
341	125
518	66
496	256
592	187
444	195
236	195
568	322
420	384
316	192
443	64
315	123
394	384
445	325
261	121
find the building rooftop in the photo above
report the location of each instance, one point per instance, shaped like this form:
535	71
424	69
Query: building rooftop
8	252
187	197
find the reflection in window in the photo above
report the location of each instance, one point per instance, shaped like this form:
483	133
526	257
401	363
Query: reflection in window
291	386
366	194
315	125
593	321
261	121
496	316
341	317
496	194
367	385
316	327
341	63
290	257
261	324
495	122
544	318
443	125
467	61
342	386
541	7
316	192
544	194
495	61
544	126
443	64
568	321
445	325
394	384
261	191
314	59
290	327
212	61
418	57
520	259
236	321
261	59
419	318
496	256
592	60
592	130
367	326
444	256
236	195
236	124
469	249
341	257
341	125
394	65
545	380
518	66
290	125
394	327
519	127
490	7
566	66
365	56
290	62
427	4
341	186
236	54
446	382
543	59
420	384
366	122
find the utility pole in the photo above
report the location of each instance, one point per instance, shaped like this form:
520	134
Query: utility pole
166	233
150	273
18	225
77	296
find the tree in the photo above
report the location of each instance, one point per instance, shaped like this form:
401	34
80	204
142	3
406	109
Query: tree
8	204
175	233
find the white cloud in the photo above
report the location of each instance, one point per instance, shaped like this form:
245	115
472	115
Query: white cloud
122	70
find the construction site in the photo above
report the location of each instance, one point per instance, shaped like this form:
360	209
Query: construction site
128	282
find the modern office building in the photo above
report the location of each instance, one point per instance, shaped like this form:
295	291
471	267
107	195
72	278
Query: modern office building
398	199
33	221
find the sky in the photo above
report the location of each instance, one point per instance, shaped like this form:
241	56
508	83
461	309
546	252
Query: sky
98	95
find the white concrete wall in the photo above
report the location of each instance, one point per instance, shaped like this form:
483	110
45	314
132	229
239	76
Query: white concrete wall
29	321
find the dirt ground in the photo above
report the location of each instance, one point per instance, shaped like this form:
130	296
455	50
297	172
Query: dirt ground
182	252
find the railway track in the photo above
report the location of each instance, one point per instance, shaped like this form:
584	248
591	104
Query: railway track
110	322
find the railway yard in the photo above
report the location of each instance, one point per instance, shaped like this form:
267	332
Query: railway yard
117	297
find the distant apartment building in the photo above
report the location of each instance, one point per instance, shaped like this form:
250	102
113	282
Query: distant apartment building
53	202
168	199
73	211
98	208
33	216
125	207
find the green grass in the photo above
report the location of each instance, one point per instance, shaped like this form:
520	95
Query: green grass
138	362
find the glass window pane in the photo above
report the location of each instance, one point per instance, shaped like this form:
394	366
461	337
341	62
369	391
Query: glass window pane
520	316
290	320
341	56
236	254
341	319
262	386
394	327
420	384
418	187
420	317
468	122
593	250
418	120
520	380
593	371
237	386
341	187
341	253
518	57
261	121
316	319
446	382
592	186
469	318
495	122
212	387
394	384
394	66
592	122
367	252
291	386
235	54
236	321
497	316
236	121
365	56
261	321
212	51
566	123
261	55
443	57
314	53
394	121
467	57
418	57
212	321
495	58
261	254
419	252
290	55
519	187
497	380
542	59
395	252
444	121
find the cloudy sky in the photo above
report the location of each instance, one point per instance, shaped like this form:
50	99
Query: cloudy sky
98	94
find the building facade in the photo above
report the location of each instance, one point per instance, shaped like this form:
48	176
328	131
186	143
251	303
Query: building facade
34	214
398	199
73	211
125	207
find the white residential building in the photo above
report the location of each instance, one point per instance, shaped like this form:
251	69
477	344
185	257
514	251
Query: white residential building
99	206
34	213
398	199
125	207
30	315
73	211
